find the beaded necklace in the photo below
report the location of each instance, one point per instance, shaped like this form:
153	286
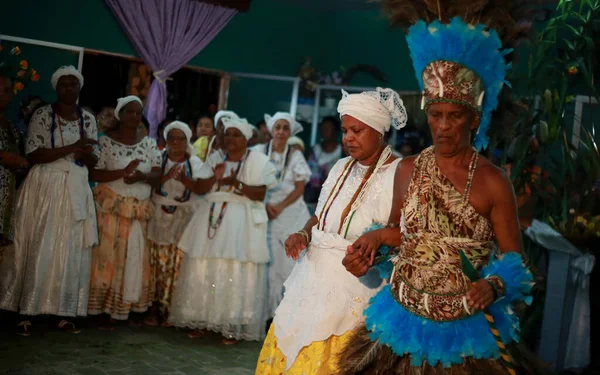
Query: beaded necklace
358	197
465	200
186	194
286	160
53	128
217	224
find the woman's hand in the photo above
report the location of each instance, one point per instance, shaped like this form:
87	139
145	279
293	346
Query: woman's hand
219	171
230	181
367	245
82	143
174	173
274	211
13	161
131	167
355	262
481	295
178	173
134	177
294	246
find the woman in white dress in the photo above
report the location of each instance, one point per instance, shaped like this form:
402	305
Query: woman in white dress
285	203
323	302
174	206
323	157
55	224
223	281
121	278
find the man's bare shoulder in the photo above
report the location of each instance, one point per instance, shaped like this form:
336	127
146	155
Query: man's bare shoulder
495	178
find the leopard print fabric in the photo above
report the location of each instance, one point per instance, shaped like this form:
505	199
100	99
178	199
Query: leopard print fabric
427	278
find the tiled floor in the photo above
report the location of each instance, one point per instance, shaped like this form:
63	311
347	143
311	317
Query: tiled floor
128	350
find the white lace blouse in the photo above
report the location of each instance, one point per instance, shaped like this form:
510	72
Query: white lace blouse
115	155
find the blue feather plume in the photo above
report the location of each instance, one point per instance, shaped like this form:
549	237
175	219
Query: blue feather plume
469	45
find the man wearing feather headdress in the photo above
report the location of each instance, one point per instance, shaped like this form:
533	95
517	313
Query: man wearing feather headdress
448	306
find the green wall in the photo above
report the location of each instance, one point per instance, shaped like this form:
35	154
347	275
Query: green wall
273	38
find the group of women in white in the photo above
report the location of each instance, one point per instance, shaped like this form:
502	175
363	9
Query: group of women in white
199	242
209	243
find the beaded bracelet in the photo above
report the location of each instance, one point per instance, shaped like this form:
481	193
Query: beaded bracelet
497	285
304	235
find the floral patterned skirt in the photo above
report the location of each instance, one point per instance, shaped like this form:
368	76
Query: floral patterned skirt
165	262
115	218
319	358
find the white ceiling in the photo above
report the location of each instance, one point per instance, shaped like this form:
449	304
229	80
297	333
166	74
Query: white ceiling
336	5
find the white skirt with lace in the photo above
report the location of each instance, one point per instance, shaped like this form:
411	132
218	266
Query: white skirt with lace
223	295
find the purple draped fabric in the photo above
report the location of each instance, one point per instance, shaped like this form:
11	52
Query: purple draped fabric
167	34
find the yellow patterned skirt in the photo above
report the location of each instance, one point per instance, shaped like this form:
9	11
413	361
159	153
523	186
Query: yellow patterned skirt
319	358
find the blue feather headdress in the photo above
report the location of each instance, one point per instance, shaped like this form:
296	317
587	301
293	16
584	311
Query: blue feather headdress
456	47
459	63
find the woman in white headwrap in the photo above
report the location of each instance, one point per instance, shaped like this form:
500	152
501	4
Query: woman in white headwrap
223	282
127	169
55	225
323	302
174	206
215	149
285	203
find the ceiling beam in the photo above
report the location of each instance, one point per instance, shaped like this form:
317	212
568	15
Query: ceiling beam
239	5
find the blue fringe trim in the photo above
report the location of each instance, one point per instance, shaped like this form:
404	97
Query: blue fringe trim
469	45
383	263
448	343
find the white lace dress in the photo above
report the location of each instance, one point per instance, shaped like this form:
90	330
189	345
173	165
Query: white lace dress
292	219
322	298
55	227
222	285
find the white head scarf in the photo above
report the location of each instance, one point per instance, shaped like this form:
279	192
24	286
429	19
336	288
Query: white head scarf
122	102
185	129
67	70
224	114
239	123
295	126
379	109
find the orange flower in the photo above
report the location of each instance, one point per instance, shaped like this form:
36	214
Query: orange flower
18	86
24	64
21	73
573	70
33	72
35	77
16	51
1	48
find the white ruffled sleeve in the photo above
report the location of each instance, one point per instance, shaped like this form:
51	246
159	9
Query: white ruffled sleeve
269	176
196	163
299	167
153	153
90	127
38	132
103	150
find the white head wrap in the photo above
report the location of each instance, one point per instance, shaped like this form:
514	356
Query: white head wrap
185	129
67	70
224	114
379	109
122	102
296	141
295	126
239	123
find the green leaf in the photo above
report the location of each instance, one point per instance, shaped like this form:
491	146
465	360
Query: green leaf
573	30
467	268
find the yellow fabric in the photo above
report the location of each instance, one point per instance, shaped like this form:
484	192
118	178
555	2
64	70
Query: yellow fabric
319	358
201	146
